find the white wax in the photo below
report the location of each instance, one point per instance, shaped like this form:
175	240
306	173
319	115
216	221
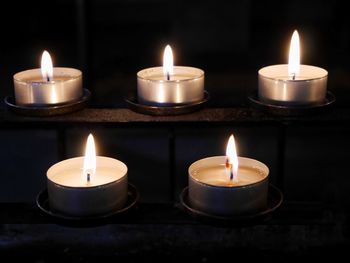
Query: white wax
280	72
176	77
180	73
213	171
70	172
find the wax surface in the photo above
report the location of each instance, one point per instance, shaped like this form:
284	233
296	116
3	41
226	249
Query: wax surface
76	178
217	175
180	73
280	72
40	79
70	172
59	74
172	77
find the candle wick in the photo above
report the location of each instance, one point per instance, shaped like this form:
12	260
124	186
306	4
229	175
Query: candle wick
48	79
293	76
229	166
88	177
168	75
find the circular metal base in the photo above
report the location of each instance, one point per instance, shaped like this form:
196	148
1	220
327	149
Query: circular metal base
134	105
47	111
42	201
274	200
291	110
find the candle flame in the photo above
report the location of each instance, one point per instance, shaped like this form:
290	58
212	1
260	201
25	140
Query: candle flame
294	55
46	66
89	168
232	159
168	62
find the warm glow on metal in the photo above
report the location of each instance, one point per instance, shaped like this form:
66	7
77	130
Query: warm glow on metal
46	66
294	55
168	62
232	159
90	157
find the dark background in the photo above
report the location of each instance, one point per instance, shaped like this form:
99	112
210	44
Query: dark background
111	40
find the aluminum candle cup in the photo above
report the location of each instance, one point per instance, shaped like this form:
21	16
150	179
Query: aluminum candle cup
32	90
275	86
185	86
71	194
210	190
293	84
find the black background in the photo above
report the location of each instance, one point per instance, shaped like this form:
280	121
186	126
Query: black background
231	40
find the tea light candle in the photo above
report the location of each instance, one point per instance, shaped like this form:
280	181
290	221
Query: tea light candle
170	85
228	185
293	84
87	186
47	86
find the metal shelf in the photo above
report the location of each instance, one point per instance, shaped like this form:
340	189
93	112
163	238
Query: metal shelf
216	116
168	231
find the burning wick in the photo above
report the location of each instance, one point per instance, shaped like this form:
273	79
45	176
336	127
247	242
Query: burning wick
88	177
168	75
293	76
231	159
229	167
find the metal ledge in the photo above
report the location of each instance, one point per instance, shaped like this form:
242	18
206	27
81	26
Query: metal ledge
216	116
159	231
